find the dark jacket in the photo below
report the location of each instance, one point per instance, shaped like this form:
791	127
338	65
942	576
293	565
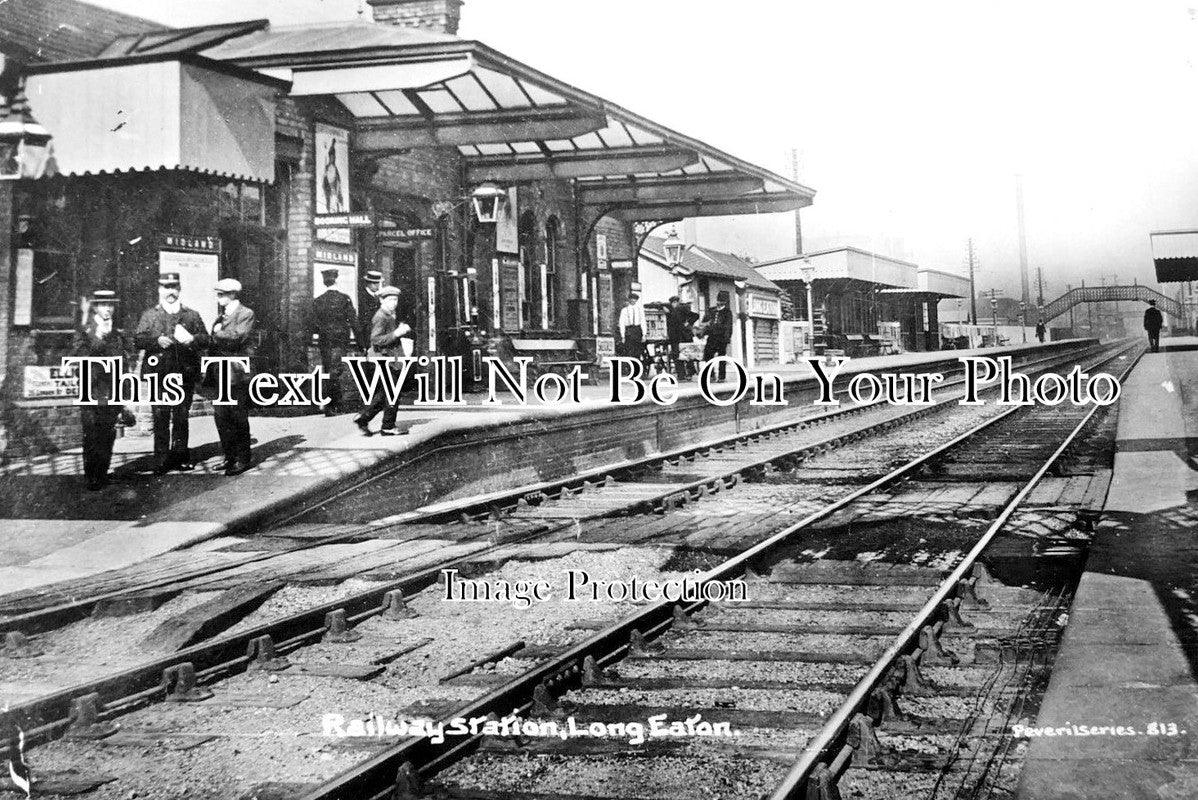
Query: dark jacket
679	320
233	335
333	317
87	343
366	312
383	341
719	324
1153	319
181	358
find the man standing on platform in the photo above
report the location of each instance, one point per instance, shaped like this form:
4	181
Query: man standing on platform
1152	323
232	335
719	332
373	282
390	336
172	336
632	328
1040	330
333	319
679	322
99	338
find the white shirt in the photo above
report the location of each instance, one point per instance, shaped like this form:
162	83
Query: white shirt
632	315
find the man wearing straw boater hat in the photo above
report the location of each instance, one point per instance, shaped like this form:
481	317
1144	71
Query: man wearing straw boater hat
99	338
372	282
173	337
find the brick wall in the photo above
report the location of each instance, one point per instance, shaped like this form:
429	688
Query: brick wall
441	16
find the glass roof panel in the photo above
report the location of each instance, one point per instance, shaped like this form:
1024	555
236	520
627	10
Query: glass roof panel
471	94
542	97
505	89
361	104
440	101
397	103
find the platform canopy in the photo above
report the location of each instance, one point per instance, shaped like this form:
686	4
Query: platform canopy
411	88
1175	255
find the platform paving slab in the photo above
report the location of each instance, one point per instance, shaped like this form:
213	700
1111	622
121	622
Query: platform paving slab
1129	655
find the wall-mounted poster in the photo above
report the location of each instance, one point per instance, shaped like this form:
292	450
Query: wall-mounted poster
601	250
332	179
197	280
346	265
507	228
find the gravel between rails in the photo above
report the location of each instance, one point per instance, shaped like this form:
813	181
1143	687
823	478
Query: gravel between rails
258	745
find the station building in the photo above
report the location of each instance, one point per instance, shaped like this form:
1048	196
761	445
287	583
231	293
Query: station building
497	197
865	303
697	274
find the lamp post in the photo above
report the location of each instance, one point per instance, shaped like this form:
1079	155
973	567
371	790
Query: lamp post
808	270
673	247
25	153
1023	320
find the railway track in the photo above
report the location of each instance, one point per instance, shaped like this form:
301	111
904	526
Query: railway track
789	652
547	515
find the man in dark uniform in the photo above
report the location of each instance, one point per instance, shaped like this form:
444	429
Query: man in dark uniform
373	283
173	336
1040	330
390	336
719	331
1153	321
333	319
679	320
99	338
232	335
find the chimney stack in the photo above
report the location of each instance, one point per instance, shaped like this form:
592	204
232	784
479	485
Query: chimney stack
439	16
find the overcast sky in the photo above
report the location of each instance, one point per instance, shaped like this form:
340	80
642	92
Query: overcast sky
912	118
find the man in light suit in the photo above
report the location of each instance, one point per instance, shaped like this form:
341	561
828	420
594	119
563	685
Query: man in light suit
232	335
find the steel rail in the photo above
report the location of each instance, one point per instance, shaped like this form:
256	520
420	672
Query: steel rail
45	717
835	731
77	608
376	777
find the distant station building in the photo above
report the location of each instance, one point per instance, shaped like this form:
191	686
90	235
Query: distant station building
865	303
498	198
697	274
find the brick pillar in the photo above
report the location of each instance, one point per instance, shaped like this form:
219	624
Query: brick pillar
441	16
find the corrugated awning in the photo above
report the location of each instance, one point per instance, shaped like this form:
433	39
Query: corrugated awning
177	112
1175	255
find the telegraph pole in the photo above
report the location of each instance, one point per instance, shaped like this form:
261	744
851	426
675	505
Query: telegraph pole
1039	286
1023	277
973	292
794	174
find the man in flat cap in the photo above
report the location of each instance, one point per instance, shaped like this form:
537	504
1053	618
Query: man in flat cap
333	320
99	338
233	335
172	336
372	282
390	336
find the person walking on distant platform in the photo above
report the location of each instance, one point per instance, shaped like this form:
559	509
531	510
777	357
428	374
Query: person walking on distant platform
1152	324
719	332
1040	329
99	338
333	320
173	336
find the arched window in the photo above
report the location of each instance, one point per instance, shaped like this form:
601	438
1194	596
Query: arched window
530	297
552	239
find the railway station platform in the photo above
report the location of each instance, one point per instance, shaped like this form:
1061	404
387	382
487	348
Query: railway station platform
52	529
1128	662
